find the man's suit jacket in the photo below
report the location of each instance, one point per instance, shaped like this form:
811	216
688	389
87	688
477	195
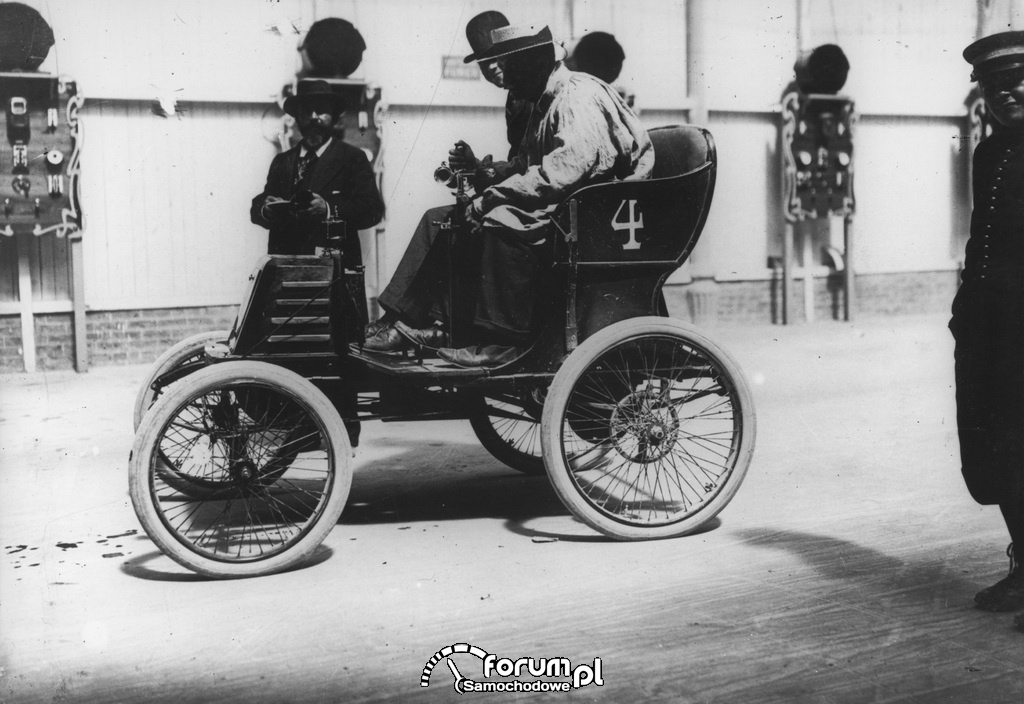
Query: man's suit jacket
342	176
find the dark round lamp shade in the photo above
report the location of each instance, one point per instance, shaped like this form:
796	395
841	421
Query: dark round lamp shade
822	70
334	48
25	37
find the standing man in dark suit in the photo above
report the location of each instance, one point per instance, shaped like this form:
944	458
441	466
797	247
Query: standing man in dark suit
322	176
319	178
988	312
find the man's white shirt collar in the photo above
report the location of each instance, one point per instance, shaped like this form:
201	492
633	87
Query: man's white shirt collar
319	152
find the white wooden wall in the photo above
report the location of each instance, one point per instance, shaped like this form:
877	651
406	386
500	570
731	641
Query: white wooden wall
167	202
166	199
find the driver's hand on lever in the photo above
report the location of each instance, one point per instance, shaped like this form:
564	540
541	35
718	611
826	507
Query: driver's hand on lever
472	217
461	157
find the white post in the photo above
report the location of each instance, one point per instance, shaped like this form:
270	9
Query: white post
28	333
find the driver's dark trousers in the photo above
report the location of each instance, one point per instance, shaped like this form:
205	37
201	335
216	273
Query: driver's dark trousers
500	281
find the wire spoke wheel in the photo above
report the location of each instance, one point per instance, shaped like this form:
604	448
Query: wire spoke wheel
177	362
174	363
508	426
648	430
270	455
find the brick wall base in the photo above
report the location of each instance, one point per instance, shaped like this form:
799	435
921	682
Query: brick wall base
140	336
114	337
875	295
10	344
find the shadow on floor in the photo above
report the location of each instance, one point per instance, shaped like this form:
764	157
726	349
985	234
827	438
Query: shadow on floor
464	483
141	568
868	570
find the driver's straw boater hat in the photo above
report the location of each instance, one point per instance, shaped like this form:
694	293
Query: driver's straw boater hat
478	32
513	39
308	91
997	52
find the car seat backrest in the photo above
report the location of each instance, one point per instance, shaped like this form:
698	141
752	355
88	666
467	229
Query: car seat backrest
679	149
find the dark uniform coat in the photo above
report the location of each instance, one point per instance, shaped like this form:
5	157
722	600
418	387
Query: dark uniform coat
343	177
988	326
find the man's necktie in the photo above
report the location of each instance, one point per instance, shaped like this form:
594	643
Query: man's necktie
304	168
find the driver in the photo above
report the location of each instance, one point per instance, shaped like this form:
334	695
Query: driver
581	132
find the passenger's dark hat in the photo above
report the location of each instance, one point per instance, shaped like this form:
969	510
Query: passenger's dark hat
513	39
478	32
314	90
996	52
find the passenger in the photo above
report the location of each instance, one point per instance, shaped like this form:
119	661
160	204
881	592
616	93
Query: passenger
581	133
988	312
321	175
598	54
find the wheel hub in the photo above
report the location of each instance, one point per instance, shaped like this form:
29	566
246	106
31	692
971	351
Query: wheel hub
244	470
644	426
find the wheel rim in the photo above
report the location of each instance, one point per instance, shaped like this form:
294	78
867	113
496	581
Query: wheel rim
515	421
180	360
651	431
265	465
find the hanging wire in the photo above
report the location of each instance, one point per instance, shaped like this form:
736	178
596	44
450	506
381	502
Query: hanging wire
835	26
430	104
54	49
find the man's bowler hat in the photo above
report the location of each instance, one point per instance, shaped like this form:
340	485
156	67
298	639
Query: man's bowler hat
478	32
308	91
996	52
513	39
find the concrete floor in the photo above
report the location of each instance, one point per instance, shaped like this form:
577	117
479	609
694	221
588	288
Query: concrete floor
843	571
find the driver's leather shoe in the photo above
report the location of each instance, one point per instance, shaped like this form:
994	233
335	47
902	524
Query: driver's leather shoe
432	337
387	340
480	355
375	327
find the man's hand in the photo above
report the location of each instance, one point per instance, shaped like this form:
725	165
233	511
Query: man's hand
271	214
313	210
472	217
461	157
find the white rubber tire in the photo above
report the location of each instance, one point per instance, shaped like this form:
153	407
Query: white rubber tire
145	455
558	468
174	356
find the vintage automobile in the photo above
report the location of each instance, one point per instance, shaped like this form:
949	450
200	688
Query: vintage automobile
645	427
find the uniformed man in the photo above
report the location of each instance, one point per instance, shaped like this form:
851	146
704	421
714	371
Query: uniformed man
988	312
